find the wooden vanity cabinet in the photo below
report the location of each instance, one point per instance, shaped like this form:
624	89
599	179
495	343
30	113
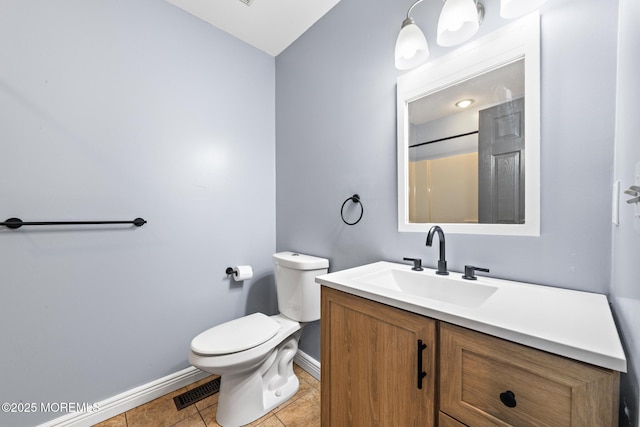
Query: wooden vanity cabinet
488	381
370	356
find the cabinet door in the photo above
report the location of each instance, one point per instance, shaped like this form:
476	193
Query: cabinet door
370	357
487	381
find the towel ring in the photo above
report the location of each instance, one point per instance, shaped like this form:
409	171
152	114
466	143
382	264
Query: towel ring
355	199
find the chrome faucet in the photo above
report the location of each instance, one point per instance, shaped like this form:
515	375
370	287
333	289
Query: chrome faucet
442	262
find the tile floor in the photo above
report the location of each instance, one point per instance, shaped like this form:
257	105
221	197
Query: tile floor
303	409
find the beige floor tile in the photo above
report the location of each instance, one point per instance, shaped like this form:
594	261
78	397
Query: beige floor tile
260	420
270	421
304	412
209	415
161	412
194	420
117	421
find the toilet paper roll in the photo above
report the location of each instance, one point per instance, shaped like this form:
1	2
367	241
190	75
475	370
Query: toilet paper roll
242	272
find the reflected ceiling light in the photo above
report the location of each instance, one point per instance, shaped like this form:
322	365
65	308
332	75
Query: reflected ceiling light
459	21
411	45
464	103
514	8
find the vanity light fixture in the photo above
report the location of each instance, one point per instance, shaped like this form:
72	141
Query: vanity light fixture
464	103
411	45
459	21
510	9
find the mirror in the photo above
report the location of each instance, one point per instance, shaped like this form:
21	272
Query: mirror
466	141
473	168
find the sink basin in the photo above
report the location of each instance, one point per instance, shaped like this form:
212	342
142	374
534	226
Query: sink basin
425	284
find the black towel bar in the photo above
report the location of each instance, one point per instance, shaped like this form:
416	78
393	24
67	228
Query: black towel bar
17	222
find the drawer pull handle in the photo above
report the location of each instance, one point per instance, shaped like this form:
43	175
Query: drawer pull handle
508	398
421	373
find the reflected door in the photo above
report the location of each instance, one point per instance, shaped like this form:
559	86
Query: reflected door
501	164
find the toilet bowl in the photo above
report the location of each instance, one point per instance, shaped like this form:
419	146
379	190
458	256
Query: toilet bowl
254	354
253	380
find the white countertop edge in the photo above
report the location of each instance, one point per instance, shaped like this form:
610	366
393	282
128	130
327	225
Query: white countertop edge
540	343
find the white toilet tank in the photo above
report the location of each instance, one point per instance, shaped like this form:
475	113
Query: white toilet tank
298	293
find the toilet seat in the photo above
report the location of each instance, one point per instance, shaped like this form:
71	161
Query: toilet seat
241	360
236	335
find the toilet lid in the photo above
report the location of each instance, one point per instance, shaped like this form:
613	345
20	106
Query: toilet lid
236	335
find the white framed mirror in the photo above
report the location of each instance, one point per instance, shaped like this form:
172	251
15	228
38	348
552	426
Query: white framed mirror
473	169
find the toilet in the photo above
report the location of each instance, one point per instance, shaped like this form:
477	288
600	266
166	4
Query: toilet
254	354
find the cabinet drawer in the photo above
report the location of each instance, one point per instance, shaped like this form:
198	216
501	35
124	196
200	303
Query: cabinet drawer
487	381
446	421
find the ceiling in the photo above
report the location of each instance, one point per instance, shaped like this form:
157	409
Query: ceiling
488	89
269	25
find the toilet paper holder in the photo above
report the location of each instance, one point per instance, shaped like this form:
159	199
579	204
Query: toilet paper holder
240	273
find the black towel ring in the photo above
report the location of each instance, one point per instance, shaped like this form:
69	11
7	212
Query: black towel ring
355	199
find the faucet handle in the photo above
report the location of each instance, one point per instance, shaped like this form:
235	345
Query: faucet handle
417	263
470	272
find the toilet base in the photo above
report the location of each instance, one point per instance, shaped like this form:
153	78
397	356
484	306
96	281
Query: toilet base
245	397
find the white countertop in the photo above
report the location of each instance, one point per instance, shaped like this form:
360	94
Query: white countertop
574	324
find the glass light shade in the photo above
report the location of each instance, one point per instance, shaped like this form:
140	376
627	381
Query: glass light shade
510	9
411	47
458	22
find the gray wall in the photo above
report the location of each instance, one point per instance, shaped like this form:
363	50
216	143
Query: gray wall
625	287
112	110
336	136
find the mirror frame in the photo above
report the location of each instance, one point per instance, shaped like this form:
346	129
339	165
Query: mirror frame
517	40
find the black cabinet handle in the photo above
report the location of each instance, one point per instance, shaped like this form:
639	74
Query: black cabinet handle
508	398
421	373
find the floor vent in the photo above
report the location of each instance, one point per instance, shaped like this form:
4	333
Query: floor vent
197	394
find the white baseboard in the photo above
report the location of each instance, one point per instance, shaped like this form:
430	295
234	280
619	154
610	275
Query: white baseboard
129	399
146	393
308	363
